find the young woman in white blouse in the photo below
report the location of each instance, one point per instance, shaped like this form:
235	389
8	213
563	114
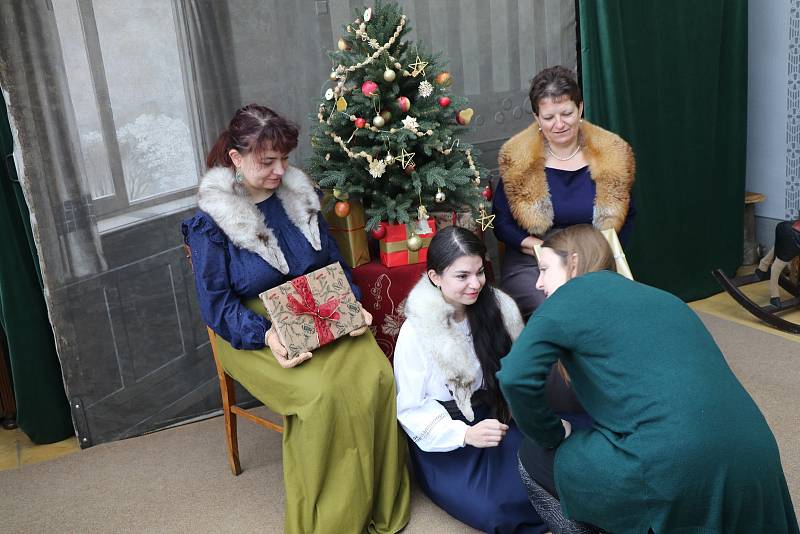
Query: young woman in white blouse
462	441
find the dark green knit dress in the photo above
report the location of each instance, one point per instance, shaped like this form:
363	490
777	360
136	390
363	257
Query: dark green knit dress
678	445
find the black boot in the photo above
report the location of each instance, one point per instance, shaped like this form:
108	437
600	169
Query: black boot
775	301
761	275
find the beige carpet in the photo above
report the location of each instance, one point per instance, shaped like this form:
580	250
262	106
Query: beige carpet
178	480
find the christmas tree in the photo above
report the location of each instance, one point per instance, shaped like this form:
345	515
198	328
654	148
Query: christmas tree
387	130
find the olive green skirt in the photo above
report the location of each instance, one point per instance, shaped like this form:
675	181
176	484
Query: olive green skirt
344	456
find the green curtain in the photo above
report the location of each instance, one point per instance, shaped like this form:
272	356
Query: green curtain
671	78
42	407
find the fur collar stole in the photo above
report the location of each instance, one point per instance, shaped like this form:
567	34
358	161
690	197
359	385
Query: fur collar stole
447	347
229	204
611	164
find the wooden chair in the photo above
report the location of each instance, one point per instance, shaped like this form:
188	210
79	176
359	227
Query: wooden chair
227	387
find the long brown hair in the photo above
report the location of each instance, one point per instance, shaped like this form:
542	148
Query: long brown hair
253	128
584	240
592	253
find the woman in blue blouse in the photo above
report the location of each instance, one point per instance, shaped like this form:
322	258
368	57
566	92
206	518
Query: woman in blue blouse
258	226
558	172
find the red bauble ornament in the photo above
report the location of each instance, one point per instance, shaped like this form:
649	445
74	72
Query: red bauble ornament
380	231
342	209
444	101
403	103
369	87
442	78
361	122
487	193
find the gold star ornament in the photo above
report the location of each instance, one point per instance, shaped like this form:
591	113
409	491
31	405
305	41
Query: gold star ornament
406	158
418	67
485	220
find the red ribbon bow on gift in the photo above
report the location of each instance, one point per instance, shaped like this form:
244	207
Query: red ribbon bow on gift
320	314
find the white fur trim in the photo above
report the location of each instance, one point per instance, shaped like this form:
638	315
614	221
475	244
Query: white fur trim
432	318
229	204
512	318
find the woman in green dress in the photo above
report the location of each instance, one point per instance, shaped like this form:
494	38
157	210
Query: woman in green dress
258	226
677	445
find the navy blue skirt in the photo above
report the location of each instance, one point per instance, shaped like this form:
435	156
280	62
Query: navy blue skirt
479	487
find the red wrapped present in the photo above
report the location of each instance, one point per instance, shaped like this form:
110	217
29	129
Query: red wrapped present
400	246
313	310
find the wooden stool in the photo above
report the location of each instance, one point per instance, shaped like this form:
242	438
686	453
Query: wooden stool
227	387
750	254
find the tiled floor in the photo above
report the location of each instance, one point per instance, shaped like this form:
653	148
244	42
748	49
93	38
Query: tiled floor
17	450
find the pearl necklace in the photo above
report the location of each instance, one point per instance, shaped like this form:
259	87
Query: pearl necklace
559	158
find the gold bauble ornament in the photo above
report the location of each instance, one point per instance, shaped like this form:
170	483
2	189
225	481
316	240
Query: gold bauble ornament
333	75
389	75
414	243
378	121
343	45
440	196
389	159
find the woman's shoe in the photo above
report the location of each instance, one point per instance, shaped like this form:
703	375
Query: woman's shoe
761	275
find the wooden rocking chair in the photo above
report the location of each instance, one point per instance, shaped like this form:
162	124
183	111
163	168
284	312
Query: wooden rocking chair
768	313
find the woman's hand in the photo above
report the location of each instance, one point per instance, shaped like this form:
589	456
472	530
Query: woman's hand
280	352
528	244
367	319
487	433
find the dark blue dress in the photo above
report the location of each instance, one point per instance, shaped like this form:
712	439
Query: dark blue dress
226	274
479	486
572	194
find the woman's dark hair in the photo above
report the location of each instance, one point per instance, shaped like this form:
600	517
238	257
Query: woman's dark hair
489	334
253	128
555	83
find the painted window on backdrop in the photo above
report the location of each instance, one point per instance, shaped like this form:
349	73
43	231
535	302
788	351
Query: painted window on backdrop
136	113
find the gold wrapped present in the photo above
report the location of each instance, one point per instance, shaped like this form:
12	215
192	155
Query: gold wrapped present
349	232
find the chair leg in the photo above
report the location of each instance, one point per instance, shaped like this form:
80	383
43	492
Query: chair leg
228	389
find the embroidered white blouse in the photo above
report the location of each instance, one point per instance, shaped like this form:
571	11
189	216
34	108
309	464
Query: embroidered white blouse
419	386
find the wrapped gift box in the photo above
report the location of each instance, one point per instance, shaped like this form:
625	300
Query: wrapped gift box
394	246
349	232
313	310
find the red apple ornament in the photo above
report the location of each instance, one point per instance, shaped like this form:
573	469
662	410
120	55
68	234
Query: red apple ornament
487	193
369	87
361	122
403	103
444	101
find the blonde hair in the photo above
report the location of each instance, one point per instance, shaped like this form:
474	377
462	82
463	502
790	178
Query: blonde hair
587	243
592	251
